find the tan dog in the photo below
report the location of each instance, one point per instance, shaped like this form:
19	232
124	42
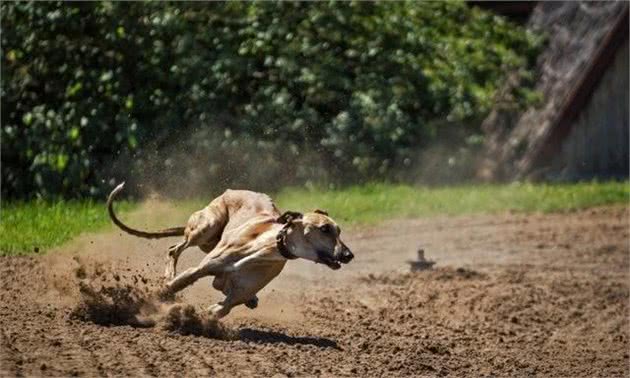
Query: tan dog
247	243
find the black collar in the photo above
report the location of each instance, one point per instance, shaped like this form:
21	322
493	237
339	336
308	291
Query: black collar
281	243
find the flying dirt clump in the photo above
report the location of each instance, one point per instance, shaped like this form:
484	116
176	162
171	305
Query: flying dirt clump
120	304
114	300
185	320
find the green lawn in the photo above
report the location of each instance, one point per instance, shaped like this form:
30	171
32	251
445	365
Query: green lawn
35	226
371	203
27	226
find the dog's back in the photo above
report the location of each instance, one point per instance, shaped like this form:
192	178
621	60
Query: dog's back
243	205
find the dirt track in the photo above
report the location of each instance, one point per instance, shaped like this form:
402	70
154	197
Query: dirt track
509	295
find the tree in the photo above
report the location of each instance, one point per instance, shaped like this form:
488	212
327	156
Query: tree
360	85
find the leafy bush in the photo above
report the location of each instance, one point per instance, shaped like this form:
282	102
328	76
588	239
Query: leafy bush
97	89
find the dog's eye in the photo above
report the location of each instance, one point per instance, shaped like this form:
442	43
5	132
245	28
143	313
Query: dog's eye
326	229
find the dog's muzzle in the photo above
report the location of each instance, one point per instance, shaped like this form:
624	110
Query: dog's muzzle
343	253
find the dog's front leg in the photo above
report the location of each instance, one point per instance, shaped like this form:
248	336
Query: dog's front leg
247	261
189	276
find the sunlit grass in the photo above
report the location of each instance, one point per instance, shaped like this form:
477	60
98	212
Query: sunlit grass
31	226
375	202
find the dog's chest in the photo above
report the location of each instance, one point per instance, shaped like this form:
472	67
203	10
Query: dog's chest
256	277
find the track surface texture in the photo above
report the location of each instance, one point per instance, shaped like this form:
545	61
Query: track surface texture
509	295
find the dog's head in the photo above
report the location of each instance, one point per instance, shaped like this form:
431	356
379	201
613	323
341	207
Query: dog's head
316	237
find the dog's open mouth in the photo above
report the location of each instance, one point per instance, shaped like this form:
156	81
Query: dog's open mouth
327	259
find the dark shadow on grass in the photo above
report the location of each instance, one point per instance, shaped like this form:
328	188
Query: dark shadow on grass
271	337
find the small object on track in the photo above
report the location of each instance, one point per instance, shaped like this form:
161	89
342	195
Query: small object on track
420	263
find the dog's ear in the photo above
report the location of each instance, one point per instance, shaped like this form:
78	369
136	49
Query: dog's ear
322	212
289	216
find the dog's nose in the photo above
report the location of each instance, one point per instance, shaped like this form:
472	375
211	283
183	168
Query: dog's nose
346	256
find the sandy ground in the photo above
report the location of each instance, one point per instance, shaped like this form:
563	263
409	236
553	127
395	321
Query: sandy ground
510	295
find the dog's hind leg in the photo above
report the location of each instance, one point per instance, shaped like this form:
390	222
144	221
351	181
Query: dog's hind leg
222	283
223	308
204	229
236	293
239	290
172	256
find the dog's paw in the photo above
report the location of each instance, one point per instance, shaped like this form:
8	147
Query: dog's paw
252	303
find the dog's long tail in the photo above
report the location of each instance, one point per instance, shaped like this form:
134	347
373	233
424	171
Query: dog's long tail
175	231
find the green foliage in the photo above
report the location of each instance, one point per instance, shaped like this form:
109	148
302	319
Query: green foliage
93	89
35	226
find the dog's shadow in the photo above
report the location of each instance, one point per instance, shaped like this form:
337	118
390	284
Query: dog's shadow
272	337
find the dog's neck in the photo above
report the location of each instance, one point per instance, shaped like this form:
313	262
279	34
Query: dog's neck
282	243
